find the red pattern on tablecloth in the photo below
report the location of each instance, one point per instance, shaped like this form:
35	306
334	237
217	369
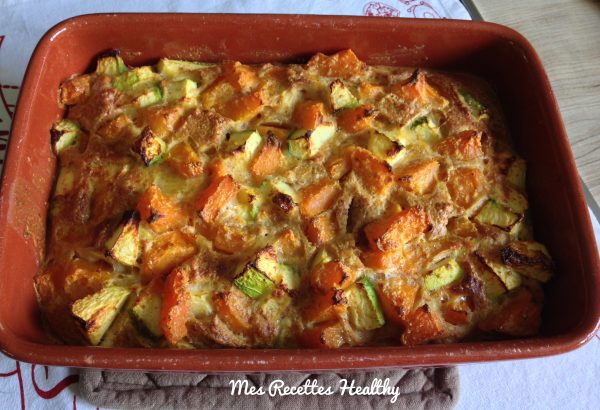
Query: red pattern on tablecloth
406	8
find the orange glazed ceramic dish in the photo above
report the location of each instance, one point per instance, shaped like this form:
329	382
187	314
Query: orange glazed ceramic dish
321	205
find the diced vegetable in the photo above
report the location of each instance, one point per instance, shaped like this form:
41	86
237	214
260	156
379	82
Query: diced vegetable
385	149
269	159
344	64
421	327
309	114
304	143
184	160
111	64
391	232
496	215
146	309
331	275
340	96
465	146
124	244
424	128
325	307
466	186
175	307
327	335
178	68
162	120
168	250
318	197
364	309
151	95
95	313
337	167
149	147
380	260
246	141
135	78
419	178
234	309
322	256
75	90
243	108
357	119
210	201
510	198
185	89
375	174
161	213
64	134
519	315
528	258
253	282
446	273
506	274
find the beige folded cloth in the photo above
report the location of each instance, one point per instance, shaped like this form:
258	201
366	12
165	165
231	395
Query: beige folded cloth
416	389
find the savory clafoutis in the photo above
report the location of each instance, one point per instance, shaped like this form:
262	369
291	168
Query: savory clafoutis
321	205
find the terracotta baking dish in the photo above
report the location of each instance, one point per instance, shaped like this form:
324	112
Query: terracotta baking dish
496	53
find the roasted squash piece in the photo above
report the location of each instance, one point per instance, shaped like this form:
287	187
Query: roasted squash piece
518	315
342	64
375	174
175	307
149	147
241	76
234	308
161	120
309	114
117	129
95	313
82	278
243	107
356	119
380	260
419	178
465	186
464	146
269	159
124	244
328	335
184	160
422	326
331	275
528	258
391	232
324	307
318	197
159	211
417	87
168	250
214	197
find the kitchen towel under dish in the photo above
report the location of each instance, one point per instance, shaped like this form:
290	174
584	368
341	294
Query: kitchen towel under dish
430	388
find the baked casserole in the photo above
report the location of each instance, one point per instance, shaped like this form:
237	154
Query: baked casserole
327	204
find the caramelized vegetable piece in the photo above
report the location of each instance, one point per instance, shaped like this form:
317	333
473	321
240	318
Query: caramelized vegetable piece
233	308
318	197
375	174
356	119
242	77
321	229
210	201
184	160
422	327
519	315
269	159
391	232
464	146
328	335
161	120
380	260
419	178
243	108
324	307
168	250
161	213
331	276
397	297
343	64
175	307
466	185
417	87
309	114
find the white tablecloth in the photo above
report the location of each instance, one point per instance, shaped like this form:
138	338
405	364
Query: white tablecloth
566	381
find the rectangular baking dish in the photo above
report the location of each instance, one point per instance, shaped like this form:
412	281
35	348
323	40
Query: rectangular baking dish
496	53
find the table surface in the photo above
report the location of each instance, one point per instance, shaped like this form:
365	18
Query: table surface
566	35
